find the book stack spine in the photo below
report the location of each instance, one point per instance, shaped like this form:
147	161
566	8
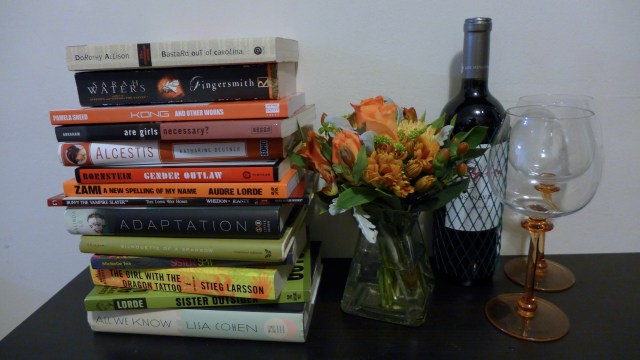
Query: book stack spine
183	191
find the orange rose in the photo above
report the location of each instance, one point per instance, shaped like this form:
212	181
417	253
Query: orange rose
346	145
377	116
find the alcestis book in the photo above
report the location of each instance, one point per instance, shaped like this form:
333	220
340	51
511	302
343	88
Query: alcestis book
295	235
141	114
253	190
187	84
297	288
171	53
241	222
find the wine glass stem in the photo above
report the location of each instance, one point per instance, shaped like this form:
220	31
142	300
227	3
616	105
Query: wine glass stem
536	227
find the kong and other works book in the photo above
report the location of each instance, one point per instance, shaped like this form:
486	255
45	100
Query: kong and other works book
188	84
297	288
272	250
181	53
242	222
224	110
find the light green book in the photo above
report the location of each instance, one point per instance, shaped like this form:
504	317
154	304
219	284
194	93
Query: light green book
297	288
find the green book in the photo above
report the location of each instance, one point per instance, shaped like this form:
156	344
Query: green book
297	288
266	250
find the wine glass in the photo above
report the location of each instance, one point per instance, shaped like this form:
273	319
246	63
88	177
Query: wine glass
550	275
553	170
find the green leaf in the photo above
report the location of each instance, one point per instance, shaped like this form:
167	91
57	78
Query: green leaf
356	196
446	195
297	160
360	165
439	122
473	137
474	153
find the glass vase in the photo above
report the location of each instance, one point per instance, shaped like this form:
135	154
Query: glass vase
390	278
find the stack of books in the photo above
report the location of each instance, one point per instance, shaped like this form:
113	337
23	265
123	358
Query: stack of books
183	192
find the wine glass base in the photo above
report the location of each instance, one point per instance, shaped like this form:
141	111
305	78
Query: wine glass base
557	276
550	323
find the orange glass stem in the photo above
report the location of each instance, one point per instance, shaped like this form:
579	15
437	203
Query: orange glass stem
527	303
547	191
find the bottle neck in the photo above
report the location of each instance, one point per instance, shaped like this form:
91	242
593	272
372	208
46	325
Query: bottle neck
474	88
475	55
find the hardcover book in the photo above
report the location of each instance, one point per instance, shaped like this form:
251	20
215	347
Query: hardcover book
188	84
297	288
295	236
213	172
269	322
254	190
224	110
172	152
300	195
181	53
241	222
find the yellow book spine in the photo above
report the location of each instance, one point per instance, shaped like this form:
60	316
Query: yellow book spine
254	283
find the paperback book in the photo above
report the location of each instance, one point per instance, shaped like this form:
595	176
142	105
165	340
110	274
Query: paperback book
297	288
224	110
241	222
300	195
255	190
181	53
269	322
263	81
274	251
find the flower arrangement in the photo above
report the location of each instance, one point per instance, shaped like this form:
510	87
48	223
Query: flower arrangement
386	165
384	155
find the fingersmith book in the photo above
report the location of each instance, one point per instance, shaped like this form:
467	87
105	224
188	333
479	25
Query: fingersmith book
189	84
193	130
181	53
206	248
253	190
297	288
241	222
223	110
223	171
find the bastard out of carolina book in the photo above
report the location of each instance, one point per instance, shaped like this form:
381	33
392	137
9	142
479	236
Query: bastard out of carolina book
172	53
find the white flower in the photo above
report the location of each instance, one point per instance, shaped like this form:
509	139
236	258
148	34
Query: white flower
367	228
444	134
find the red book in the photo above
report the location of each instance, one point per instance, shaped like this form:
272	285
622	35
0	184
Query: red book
211	172
224	110
159	152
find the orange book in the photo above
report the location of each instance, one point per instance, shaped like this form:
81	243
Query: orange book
134	152
253	190
223	110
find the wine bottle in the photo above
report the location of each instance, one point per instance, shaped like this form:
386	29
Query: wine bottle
466	232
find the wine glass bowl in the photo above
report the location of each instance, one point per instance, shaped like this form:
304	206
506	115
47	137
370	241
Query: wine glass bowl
553	170
551	275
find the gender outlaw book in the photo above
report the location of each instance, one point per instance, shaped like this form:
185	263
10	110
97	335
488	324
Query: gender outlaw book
189	84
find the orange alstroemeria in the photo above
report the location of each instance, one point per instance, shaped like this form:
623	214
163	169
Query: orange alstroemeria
312	152
346	145
374	115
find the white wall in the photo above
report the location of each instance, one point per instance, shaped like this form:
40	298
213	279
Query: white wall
349	50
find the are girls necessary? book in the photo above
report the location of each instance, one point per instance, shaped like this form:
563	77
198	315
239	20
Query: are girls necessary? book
295	236
241	222
297	288
186	84
181	53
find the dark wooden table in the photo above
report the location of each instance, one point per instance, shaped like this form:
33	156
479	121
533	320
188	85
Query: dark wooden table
603	307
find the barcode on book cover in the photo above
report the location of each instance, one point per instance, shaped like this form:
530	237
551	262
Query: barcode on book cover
272	108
